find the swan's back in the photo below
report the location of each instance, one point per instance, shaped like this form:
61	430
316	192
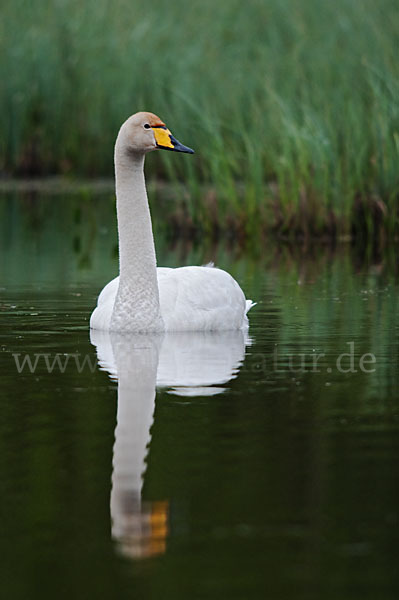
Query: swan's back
200	299
191	299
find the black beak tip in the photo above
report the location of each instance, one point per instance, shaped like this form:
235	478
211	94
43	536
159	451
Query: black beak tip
179	147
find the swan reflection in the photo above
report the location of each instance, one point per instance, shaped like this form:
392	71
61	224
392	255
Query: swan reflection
186	364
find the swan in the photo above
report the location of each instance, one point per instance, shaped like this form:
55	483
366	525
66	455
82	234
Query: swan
145	298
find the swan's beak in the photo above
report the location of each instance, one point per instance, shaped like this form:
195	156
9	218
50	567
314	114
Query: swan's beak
166	141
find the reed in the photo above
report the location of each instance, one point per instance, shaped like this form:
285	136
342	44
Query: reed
292	107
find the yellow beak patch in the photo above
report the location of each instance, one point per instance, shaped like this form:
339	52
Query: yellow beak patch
162	137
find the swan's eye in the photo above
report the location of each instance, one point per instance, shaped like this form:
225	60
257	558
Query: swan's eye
146	126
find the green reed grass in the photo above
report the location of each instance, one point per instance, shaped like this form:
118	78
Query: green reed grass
292	106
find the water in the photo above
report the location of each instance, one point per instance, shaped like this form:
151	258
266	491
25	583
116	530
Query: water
216	466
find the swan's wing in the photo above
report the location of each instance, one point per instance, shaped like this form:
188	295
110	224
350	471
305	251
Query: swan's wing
101	316
109	291
200	298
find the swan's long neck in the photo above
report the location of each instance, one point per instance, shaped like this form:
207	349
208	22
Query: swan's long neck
137	301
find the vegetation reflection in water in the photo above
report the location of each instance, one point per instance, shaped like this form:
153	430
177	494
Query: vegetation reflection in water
280	481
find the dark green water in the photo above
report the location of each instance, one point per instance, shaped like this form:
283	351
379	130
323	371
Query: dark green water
275	476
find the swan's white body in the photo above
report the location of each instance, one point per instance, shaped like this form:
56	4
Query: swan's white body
145	298
190	298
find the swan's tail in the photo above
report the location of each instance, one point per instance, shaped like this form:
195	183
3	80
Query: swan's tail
249	305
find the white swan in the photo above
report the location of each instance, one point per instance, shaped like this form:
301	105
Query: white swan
144	298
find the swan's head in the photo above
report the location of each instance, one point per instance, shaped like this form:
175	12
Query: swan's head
144	132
